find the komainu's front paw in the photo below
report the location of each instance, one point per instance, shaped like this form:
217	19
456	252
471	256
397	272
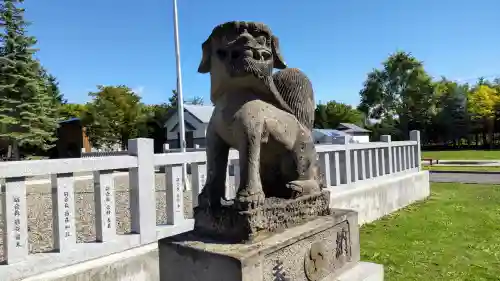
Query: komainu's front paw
245	201
303	187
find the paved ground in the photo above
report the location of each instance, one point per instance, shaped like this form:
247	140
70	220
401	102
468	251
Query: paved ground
465	178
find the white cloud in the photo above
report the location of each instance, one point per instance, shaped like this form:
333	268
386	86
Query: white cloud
138	90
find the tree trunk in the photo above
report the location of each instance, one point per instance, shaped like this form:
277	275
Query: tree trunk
13	151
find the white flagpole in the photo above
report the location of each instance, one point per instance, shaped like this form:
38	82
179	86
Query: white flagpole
180	98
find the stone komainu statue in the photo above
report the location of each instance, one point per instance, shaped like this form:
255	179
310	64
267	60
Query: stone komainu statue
267	117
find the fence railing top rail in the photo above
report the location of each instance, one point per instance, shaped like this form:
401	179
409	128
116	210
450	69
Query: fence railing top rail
329	147
172	157
33	168
404	143
178	158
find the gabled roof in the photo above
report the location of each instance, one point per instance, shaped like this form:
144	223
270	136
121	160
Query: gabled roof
351	128
328	132
201	112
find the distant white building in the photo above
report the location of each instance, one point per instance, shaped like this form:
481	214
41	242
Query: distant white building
355	133
359	135
196	119
326	136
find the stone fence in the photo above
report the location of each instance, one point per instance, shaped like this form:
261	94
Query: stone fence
343	165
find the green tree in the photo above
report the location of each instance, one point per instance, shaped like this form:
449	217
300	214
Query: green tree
331	114
113	116
27	113
451	119
483	103
172	100
402	90
52	86
72	110
385	126
154	124
195	101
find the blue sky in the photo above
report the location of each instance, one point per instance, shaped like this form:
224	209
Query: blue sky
109	42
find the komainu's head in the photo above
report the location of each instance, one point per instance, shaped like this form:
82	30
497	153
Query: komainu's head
239	48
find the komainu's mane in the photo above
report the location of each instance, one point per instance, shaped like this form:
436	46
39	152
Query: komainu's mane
297	92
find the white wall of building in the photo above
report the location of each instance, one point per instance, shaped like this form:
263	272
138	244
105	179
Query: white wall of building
361	139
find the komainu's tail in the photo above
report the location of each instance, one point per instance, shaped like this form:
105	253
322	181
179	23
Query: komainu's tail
296	90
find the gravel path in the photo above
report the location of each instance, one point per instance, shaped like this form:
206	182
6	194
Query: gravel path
465	178
40	211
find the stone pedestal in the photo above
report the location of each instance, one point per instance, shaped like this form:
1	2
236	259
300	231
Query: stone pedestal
276	214
323	249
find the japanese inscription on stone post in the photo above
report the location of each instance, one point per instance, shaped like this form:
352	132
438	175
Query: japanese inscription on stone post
108	206
67	212
17	219
202	179
178	191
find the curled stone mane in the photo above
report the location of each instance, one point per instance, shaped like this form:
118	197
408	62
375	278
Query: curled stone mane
220	30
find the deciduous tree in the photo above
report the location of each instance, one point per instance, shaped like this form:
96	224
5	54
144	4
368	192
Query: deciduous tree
483	103
331	114
113	116
402	90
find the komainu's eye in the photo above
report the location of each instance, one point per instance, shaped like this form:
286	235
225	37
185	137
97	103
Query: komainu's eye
261	40
221	54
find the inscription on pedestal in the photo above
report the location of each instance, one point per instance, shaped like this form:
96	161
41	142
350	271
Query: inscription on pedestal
312	258
278	272
342	244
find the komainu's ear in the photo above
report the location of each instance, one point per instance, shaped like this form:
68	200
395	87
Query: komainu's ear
206	47
279	62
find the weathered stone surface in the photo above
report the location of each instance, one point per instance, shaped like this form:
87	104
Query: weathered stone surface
319	250
229	224
267	117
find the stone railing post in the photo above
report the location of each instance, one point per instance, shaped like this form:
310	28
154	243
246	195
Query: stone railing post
198	178
415	136
105	210
388	167
236	175
377	171
15	219
230	191
361	161
344	160
369	163
142	190
324	164
175	194
63	211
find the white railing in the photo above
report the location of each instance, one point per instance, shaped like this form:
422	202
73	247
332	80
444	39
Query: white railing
341	164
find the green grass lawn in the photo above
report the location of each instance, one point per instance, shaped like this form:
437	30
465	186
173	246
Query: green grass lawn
463	168
463	154
454	235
